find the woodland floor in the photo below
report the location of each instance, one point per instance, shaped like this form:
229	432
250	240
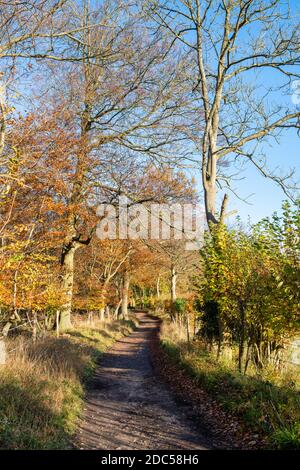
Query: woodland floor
139	399
128	406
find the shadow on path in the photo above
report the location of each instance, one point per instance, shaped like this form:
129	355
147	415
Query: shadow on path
127	408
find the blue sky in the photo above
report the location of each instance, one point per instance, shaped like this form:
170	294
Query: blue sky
263	195
285	155
266	197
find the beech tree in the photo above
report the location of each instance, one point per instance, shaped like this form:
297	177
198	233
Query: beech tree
125	97
245	56
98	265
31	212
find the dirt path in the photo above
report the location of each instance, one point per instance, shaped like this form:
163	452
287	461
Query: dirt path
128	408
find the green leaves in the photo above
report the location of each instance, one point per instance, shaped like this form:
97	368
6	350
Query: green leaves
256	272
179	305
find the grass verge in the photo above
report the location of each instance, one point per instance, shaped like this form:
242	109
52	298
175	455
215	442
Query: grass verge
268	404
42	384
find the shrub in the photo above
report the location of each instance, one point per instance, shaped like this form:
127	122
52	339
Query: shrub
266	403
179	306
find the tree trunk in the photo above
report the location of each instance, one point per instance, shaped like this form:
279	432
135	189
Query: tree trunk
15	293
242	337
116	314
102	313
3	354
247	357
67	288
158	288
107	312
90	317
220	336
73	238
210	203
125	289
57	315
103	299
34	328
173	284
188	328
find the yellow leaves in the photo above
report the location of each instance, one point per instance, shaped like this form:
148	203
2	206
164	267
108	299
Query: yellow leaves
255	274
27	272
89	302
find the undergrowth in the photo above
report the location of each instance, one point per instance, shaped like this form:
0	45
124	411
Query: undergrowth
268	403
42	384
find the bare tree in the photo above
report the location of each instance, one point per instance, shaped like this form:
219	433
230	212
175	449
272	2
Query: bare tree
127	98
245	54
32	34
102	261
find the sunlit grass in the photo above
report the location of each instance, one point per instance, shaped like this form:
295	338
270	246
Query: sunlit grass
42	384
268	403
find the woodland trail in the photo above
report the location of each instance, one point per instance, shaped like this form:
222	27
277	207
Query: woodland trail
128	408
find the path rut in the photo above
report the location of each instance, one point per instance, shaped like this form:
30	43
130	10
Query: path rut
128	408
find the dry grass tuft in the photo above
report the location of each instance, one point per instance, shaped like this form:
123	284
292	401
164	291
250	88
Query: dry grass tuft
41	385
268	403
